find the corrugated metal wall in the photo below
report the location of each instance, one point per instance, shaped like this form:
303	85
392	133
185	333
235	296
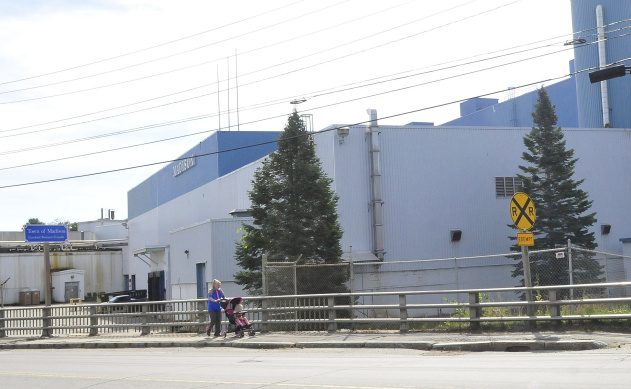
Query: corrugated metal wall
103	271
438	179
588	95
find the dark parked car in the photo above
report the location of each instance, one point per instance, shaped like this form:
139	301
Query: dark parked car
124	298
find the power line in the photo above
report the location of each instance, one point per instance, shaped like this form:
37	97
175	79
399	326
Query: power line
273	25
256	71
272	142
199	117
274	102
308	55
179	121
250	51
204	63
154	46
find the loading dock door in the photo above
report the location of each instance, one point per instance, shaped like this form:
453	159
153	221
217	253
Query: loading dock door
201	279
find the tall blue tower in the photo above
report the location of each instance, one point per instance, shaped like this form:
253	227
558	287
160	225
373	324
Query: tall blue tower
607	103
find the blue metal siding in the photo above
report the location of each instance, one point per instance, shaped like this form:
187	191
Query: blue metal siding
163	186
517	112
470	106
232	160
588	95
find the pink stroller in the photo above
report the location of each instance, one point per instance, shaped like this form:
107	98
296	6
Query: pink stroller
237	322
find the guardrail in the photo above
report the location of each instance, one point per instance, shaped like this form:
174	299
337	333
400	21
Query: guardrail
316	312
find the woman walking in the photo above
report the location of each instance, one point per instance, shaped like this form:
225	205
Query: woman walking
215	294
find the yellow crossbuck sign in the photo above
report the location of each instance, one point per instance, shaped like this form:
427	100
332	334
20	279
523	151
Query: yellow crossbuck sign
522	211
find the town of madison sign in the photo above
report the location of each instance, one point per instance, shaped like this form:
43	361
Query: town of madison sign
45	233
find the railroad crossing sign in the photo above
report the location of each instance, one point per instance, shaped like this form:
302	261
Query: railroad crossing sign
522	211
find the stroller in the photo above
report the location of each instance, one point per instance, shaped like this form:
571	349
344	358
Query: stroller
237	322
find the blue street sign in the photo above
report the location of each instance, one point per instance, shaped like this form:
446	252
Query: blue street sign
44	233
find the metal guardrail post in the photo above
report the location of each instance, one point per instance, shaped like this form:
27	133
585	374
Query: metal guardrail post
46	322
570	267
474	312
145	329
2	333
403	314
555	309
202	314
264	316
94	322
332	314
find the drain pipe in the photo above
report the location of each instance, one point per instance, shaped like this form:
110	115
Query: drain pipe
375	180
602	63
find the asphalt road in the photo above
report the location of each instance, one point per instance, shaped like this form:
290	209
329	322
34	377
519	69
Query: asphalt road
321	368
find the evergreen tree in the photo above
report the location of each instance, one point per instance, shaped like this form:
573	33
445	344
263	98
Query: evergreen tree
295	217
562	206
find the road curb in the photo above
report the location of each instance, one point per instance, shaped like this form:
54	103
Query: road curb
366	344
522	345
475	346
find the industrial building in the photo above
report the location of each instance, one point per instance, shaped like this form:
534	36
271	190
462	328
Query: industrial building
434	181
405	192
579	104
87	265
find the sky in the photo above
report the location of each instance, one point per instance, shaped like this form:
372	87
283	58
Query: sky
73	72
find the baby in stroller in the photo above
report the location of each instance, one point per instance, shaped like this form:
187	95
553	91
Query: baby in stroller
237	322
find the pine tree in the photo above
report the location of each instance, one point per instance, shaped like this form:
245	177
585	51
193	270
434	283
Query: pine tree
295	216
562	206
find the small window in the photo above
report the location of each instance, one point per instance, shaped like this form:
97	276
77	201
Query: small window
507	186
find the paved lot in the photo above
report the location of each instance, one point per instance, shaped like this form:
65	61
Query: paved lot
319	368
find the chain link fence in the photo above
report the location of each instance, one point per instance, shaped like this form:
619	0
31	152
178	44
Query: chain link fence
562	266
292	278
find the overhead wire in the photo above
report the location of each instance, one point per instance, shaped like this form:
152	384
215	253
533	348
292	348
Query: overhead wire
200	155
272	25
153	46
205	85
243	53
199	117
188	99
209	115
206	62
274	102
256	71
308	55
175	41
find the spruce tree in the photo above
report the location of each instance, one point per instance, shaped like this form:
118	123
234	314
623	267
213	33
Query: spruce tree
562	206
295	218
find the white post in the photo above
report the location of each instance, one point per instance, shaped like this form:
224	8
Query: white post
602	63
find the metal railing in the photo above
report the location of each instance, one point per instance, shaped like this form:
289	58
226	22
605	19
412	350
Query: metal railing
327	312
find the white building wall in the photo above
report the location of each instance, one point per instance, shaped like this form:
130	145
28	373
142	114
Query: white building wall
104	229
436	179
346	160
213	200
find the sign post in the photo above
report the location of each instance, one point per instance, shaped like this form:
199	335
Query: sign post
523	214
40	233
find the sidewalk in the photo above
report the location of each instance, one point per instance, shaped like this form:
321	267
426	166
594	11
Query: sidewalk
522	341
